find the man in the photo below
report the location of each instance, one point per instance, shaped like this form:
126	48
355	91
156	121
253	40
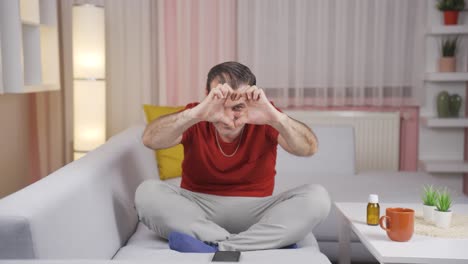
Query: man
225	200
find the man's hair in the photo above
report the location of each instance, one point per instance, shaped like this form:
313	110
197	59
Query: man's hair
231	72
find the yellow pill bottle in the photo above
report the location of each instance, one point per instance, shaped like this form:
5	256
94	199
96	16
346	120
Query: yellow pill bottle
373	210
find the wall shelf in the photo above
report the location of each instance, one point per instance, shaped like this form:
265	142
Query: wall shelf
447	30
446	76
30	23
442	140
444	166
444	122
29	46
29	11
40	88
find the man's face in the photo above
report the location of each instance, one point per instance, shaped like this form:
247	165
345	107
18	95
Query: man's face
233	110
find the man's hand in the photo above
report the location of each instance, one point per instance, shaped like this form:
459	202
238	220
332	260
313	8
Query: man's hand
259	110
211	109
294	136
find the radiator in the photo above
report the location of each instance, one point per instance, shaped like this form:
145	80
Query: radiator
377	135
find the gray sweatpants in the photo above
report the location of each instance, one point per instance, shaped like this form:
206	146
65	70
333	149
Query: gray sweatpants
234	223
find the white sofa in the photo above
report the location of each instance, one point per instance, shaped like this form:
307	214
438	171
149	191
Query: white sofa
85	210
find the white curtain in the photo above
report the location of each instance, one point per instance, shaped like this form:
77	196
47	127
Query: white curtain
159	52
193	36
334	52
130	62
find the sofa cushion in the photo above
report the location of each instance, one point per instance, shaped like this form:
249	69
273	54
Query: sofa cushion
296	256
145	244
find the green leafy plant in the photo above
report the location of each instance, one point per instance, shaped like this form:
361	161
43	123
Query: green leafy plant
444	201
449	47
429	196
450	5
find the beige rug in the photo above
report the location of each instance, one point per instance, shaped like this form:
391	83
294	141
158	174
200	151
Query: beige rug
458	228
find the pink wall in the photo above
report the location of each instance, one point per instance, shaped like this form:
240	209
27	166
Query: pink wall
14	142
409	129
31	139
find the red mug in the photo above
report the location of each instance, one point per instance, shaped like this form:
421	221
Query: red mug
399	223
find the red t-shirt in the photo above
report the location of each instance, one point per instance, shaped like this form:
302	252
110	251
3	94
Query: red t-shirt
250	172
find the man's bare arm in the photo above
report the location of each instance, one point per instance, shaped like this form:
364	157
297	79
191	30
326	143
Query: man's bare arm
295	137
167	130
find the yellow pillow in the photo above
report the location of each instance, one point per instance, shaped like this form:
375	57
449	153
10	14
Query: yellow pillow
169	160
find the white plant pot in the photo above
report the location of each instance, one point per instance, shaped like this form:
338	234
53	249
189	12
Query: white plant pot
428	213
442	219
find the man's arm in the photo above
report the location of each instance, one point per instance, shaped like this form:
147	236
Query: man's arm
295	137
167	130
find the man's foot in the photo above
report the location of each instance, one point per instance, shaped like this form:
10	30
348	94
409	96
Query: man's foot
292	246
185	243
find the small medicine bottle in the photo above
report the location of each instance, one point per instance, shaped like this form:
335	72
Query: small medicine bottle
373	210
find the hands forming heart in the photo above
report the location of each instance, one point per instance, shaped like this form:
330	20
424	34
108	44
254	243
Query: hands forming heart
234	108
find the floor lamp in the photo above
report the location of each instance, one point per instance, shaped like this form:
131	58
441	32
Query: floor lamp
89	71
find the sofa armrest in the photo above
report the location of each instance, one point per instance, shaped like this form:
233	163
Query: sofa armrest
15	238
83	210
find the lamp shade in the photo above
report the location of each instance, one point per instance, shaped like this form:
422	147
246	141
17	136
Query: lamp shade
88	42
89	111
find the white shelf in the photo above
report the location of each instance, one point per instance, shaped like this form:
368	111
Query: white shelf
29	11
48	12
30	23
448	30
32	66
444	122
40	88
444	166
37	88
446	76
29	46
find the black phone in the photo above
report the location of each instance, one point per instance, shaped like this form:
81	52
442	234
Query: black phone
228	256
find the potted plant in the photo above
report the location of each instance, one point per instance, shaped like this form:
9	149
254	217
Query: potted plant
443	104
451	8
455	102
442	214
429	198
448	49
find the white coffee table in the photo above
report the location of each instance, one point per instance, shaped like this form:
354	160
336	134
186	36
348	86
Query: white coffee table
420	249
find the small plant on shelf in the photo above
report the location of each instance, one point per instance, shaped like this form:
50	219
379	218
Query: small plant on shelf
429	196
444	201
443	214
450	5
448	48
451	8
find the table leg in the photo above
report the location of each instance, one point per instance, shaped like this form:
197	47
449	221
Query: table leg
344	239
